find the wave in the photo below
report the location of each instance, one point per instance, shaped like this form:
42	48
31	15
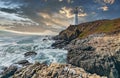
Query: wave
12	50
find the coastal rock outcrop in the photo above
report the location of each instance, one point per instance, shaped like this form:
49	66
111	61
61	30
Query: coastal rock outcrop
96	55
85	29
93	46
30	53
55	70
23	62
9	71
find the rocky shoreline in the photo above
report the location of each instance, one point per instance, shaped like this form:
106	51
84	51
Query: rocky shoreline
96	54
96	51
90	49
54	70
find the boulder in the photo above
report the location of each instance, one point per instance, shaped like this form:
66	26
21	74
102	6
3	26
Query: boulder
44	39
31	53
23	62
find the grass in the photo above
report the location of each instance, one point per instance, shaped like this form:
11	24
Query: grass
105	27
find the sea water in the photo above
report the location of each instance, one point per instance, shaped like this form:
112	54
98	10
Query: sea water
12	50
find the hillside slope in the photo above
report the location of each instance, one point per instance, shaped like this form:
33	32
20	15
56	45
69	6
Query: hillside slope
85	29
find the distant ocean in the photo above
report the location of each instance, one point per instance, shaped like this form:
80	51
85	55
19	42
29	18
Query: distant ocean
12	49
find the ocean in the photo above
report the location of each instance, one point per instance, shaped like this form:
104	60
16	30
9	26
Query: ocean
13	48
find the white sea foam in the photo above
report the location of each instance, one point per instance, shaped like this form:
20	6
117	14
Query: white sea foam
12	50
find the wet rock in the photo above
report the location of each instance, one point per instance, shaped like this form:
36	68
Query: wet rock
44	39
59	44
28	71
23	62
31	53
9	71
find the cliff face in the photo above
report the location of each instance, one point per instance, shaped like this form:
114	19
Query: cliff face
94	46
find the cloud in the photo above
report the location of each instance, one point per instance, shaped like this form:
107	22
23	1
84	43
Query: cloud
9	4
60	0
53	19
46	32
12	17
54	15
2	28
105	1
109	1
70	1
104	8
68	12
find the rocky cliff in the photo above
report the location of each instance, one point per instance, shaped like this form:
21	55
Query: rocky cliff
85	29
94	46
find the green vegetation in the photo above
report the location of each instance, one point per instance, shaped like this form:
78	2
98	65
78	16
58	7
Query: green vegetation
95	27
106	27
103	27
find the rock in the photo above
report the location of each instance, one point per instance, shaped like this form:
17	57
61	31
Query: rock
9	71
113	72
28	71
55	75
84	30
44	39
31	53
89	49
55	70
96	54
59	44
23	62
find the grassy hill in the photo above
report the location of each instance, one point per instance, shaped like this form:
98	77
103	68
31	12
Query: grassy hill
95	27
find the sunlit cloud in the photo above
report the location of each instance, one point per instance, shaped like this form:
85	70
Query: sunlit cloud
105	1
54	19
46	32
109	1
54	15
68	12
104	8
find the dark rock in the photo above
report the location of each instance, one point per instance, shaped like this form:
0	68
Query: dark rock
31	53
59	43
55	75
9	72
44	39
23	62
88	48
29	71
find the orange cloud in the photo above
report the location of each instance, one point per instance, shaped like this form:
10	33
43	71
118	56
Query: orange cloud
68	12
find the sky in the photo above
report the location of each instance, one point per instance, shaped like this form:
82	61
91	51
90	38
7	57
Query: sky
49	17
